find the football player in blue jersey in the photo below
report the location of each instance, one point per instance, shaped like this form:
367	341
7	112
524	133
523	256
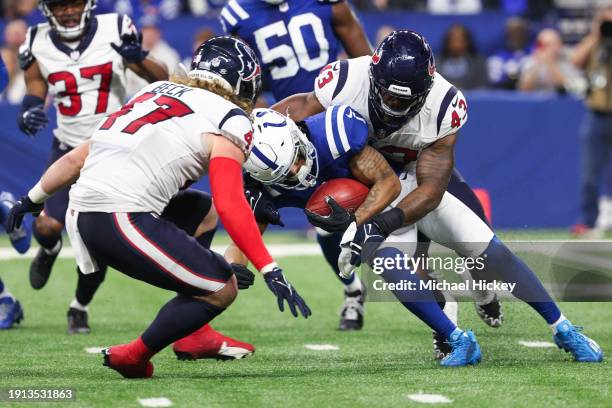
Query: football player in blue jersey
290	160
11	312
294	39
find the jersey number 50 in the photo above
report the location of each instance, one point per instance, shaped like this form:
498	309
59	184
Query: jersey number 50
297	55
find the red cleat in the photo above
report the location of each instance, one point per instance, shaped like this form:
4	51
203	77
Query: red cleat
123	360
206	342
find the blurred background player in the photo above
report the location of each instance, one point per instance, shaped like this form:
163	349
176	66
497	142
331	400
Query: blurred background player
81	59
11	312
294	39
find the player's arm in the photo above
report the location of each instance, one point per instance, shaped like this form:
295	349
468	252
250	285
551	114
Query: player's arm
372	169
299	106
62	173
149	69
349	30
234	255
32	117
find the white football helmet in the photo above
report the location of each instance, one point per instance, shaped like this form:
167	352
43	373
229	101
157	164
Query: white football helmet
67	33
278	144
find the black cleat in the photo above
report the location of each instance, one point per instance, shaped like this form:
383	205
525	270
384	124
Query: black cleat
352	313
441	347
40	268
77	322
491	313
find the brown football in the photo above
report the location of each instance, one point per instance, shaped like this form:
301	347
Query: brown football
349	193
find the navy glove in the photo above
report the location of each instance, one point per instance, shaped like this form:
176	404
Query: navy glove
244	276
338	220
32	120
19	210
263	208
283	291
131	48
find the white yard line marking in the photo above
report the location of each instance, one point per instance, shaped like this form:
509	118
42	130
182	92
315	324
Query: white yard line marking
537	344
155	402
94	350
321	347
277	250
430	398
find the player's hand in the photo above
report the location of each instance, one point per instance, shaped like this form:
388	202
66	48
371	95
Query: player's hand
32	120
131	48
359	244
283	291
338	220
244	276
19	210
263	208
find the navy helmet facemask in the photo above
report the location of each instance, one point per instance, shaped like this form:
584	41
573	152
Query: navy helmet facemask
67	33
230	62
401	75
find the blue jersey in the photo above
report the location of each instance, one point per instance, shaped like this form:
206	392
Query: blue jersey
337	134
293	40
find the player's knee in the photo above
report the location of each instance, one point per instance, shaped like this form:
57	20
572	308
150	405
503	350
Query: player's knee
223	297
48	226
209	222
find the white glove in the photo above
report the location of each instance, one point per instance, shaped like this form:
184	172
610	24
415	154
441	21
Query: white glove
344	260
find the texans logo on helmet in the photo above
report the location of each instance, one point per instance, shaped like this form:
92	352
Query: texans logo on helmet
248	69
376	57
431	69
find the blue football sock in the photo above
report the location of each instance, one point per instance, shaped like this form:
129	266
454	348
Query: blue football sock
502	264
1	286
421	302
330	245
180	317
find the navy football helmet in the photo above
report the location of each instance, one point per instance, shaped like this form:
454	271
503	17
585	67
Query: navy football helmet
67	33
231	62
401	75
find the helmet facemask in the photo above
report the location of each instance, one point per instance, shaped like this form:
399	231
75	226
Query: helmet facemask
395	105
305	153
68	33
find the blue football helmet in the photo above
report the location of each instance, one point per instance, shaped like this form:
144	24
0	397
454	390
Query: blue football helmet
401	75
67	33
230	62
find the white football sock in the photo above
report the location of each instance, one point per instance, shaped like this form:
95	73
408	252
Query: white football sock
76	305
556	324
55	249
353	286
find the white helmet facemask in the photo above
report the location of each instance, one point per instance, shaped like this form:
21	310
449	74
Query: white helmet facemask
69	33
278	145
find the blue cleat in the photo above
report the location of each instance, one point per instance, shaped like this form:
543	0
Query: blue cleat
22	236
11	312
570	339
465	350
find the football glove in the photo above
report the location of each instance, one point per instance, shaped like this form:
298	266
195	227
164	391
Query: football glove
32	120
263	208
131	48
19	210
338	220
244	276
283	291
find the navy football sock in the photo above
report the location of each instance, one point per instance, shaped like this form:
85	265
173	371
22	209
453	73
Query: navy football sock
330	245
206	238
1	286
502	264
88	284
421	302
178	318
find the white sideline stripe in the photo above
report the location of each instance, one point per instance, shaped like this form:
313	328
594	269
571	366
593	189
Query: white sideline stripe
321	347
537	344
94	350
277	250
155	402
430	398
135	237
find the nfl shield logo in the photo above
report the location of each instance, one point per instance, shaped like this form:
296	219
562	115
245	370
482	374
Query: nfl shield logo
74	55
215	62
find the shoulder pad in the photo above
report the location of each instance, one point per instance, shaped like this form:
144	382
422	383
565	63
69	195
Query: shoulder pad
26	58
452	114
331	81
236	126
340	122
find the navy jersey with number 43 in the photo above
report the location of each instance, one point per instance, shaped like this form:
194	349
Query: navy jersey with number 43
338	134
293	40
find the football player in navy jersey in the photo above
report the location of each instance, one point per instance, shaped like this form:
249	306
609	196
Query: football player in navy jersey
290	161
294	39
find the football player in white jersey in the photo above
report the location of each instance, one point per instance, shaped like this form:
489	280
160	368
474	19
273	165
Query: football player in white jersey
416	114
170	134
80	59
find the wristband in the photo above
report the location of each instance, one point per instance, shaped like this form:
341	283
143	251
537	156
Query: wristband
31	101
269	267
37	194
390	221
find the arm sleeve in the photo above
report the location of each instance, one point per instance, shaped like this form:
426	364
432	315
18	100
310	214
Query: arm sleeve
235	213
